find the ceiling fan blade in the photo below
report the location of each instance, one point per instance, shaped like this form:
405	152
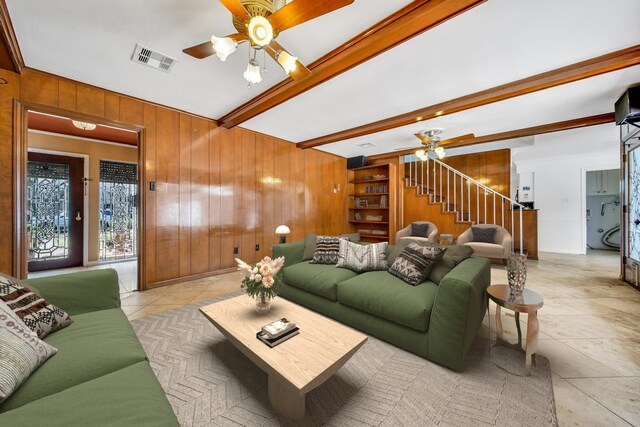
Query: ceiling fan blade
424	138
456	139
201	50
204	50
299	11
236	8
300	72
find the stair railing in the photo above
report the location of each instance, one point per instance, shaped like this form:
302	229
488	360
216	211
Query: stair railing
441	188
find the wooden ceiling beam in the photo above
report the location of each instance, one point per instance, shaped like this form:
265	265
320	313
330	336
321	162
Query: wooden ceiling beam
592	67
10	55
410	21
513	134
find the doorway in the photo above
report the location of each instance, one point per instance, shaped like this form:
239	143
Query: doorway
55	211
603	210
59	210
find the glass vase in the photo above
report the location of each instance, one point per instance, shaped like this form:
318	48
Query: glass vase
263	303
516	273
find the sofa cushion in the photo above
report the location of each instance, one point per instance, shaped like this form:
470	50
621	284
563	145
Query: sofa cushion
130	396
320	279
454	255
21	351
360	258
310	243
95	344
488	250
327	248
381	294
38	314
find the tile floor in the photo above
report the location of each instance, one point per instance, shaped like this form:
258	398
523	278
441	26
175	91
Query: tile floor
127	273
589	329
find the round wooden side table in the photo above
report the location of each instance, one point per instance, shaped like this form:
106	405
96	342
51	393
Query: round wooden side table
529	302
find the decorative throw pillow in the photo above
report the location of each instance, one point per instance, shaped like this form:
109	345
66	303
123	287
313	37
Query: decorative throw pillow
414	263
21	351
327	248
483	235
419	230
360	258
38	314
310	243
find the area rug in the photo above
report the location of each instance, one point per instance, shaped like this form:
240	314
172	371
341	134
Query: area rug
209	382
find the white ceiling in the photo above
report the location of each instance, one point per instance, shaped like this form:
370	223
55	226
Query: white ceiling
92	41
495	43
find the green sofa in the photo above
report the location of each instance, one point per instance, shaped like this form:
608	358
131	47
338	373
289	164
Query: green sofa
437	322
100	375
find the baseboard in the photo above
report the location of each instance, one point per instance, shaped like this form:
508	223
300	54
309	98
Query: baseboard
189	278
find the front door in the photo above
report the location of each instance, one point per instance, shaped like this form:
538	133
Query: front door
55	206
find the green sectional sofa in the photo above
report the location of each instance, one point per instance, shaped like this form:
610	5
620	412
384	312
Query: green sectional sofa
437	322
100	375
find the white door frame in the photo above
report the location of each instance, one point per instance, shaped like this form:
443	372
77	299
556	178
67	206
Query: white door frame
583	199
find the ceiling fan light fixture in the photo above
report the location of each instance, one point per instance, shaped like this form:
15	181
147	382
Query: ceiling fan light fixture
83	125
252	73
260	31
287	61
440	152
224	46
422	155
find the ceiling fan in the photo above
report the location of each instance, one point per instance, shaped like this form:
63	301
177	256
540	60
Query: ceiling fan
259	22
433	145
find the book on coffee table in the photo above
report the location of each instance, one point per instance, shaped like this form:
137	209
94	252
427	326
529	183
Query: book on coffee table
278	328
272	342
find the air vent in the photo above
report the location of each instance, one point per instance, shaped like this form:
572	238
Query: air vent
152	58
367	145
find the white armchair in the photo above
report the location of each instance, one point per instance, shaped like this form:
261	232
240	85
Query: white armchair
499	249
431	237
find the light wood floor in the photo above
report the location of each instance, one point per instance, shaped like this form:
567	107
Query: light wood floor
589	330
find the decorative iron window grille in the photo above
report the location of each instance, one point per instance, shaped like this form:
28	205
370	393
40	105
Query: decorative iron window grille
47	210
118	210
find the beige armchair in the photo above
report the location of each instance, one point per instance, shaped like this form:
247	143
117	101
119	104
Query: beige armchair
432	232
499	249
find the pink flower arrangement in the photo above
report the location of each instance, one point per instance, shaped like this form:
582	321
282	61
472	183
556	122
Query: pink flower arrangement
261	277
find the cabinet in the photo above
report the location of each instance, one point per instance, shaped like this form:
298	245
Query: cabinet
372	202
603	183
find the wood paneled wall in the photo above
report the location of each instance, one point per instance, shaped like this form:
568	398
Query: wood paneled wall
217	189
492	168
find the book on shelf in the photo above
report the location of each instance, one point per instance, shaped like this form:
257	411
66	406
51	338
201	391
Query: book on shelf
379	232
383	201
376	189
373	217
272	342
364	231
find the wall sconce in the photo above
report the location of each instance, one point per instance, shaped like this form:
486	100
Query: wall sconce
283	230
336	188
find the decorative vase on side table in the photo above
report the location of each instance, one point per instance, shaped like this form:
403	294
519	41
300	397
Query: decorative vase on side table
516	273
261	281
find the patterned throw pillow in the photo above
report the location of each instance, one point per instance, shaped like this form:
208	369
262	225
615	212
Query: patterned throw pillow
21	351
327	248
38	314
483	234
360	258
414	263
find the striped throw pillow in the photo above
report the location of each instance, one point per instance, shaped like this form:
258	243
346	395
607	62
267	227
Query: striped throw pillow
414	263
360	258
38	314
327	248
21	351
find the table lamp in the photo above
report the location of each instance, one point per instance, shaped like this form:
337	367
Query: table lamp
283	230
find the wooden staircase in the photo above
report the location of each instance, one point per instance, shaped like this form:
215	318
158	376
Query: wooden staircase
434	191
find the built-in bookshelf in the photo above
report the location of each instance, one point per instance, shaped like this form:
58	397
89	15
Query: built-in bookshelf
371	202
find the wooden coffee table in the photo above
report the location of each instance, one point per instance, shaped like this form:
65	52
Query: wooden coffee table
295	366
